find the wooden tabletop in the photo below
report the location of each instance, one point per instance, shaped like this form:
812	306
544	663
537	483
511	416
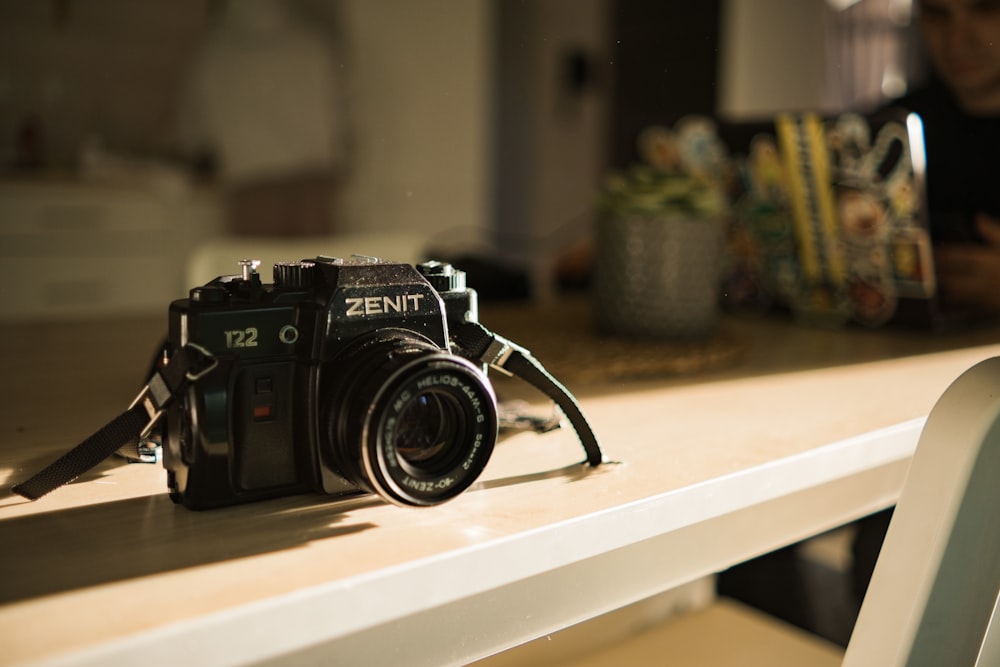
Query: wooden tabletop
803	429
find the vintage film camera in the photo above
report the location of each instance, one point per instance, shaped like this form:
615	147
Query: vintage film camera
342	376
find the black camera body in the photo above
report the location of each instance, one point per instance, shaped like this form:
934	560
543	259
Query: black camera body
338	378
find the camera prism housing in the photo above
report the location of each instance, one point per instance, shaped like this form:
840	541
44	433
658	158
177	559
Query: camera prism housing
337	378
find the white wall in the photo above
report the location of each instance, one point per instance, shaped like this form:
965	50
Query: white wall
420	98
112	69
553	139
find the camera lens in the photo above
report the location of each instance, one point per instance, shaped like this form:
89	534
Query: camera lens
406	419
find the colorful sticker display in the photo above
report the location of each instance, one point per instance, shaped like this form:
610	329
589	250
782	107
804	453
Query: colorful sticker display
830	223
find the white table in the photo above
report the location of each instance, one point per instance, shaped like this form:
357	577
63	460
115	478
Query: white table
811	429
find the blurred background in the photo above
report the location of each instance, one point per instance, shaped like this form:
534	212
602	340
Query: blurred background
134	134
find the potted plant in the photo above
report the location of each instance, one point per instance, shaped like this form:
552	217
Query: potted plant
660	233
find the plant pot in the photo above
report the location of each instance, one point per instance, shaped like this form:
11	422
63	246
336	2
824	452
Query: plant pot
658	275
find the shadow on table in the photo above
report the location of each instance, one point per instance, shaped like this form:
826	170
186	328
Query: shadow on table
67	549
86	546
571	473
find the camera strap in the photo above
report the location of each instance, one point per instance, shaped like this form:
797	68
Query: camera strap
188	365
481	344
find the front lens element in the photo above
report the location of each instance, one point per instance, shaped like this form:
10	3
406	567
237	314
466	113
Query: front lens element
430	430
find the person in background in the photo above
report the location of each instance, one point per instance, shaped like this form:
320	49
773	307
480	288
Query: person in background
960	107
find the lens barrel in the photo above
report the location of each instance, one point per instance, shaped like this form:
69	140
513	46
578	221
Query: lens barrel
406	420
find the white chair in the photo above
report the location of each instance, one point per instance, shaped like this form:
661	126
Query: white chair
933	597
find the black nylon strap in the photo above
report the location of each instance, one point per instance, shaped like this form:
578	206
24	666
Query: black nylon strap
188	365
86	455
531	371
483	345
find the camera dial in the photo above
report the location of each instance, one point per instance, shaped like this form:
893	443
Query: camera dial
294	275
442	276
